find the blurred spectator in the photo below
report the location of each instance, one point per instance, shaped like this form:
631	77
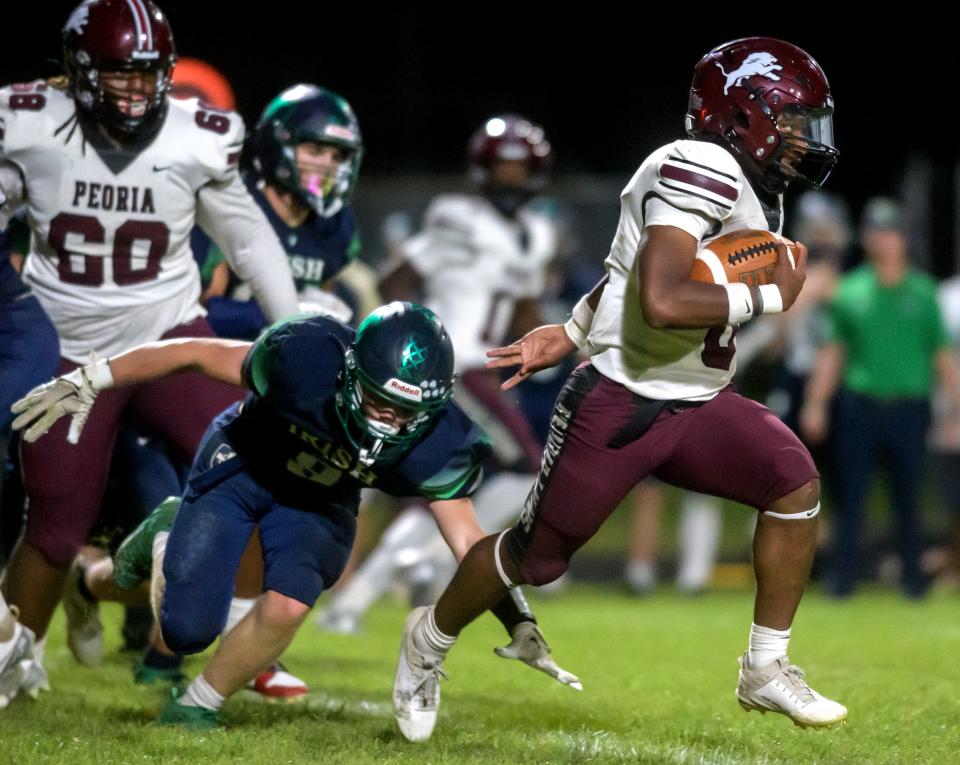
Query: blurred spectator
886	342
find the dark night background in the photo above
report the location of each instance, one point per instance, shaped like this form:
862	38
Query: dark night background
608	83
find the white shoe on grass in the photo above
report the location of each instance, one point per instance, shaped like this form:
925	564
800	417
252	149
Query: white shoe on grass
780	687
416	685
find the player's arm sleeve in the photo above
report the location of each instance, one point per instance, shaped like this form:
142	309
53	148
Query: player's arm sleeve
462	474
227	212
696	187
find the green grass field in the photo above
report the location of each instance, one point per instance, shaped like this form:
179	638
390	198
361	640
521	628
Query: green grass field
658	679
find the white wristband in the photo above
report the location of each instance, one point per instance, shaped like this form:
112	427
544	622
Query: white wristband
771	301
578	327
98	374
740	303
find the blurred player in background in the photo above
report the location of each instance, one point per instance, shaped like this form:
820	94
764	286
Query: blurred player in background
654	398
480	263
306	152
114	175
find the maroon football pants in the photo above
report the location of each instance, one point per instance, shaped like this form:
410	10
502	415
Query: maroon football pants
65	482
729	447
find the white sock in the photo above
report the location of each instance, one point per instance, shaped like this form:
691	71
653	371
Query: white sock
641	575
39	647
765	645
428	635
202	694
239	608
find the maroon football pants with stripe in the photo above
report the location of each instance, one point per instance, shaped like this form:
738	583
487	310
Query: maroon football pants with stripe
65	482
729	447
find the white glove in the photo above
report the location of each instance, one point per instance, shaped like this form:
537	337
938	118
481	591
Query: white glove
530	647
72	394
326	304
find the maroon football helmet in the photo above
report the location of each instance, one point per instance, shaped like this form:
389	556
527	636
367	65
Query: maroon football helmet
770	103
510	137
119	36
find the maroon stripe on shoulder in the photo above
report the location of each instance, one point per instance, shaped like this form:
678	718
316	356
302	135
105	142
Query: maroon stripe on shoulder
705	182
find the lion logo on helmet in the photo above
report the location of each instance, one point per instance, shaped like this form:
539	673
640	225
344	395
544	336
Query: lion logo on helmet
756	64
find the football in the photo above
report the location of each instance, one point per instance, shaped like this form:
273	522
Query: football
746	256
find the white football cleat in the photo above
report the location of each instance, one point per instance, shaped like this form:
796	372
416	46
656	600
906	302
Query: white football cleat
276	684
416	685
780	687
530	647
13	665
84	629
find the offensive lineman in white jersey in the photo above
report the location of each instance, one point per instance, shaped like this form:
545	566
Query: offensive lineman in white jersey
479	262
655	398
114	175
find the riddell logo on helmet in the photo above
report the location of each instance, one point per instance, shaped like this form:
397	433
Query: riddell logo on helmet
338	131
762	64
404	390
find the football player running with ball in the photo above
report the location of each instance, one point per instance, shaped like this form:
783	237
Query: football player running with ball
331	410
114	174
655	397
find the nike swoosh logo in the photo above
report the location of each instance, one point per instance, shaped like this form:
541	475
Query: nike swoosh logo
810	512
161	169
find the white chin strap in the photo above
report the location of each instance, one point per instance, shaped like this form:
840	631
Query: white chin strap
383	428
795	516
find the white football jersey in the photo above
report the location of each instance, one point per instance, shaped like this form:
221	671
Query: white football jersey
700	188
476	263
110	256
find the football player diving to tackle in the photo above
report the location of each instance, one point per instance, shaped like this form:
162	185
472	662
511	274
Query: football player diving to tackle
655	397
330	410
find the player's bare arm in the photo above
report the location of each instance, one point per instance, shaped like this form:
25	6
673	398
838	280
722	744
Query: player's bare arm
458	524
75	393
214	357
668	296
542	347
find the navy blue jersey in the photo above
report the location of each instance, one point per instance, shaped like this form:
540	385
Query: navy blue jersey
14	239
291	440
318	249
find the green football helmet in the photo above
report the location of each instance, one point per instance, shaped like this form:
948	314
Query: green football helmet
308	113
401	357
